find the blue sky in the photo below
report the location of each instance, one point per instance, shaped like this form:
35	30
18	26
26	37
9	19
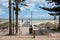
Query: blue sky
33	6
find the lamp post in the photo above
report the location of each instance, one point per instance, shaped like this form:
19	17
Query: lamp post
31	19
30	29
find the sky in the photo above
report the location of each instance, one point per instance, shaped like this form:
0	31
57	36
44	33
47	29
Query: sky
33	6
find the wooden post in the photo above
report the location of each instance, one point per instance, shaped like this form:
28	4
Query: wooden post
33	33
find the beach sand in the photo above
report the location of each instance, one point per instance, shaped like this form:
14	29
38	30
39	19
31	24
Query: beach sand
26	38
55	36
23	36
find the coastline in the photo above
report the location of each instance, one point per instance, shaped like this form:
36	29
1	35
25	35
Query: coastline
37	22
34	22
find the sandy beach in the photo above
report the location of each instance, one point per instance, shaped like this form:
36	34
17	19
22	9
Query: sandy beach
22	37
26	36
55	36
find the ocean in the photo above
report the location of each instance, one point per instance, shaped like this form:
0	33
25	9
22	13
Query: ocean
30	20
34	21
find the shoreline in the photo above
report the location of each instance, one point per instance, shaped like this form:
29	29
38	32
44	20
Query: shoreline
39	22
34	22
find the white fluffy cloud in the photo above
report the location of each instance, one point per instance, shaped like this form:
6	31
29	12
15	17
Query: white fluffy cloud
4	3
31	4
35	1
22	9
31	7
38	16
1	11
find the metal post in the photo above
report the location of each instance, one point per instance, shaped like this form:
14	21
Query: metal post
31	18
30	29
